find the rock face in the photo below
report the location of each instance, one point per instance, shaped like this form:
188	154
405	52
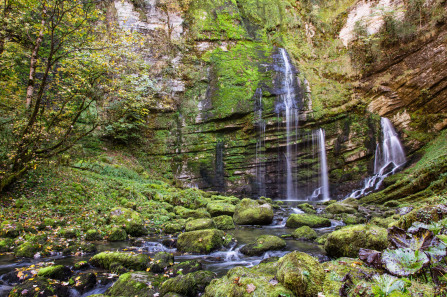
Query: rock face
201	241
251	212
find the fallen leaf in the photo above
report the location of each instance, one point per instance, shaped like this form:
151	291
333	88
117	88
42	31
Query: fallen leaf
250	288
273	282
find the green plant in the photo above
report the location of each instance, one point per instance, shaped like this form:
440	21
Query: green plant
384	285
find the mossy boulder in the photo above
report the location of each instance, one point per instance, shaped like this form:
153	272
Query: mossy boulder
84	281
68	233
142	284
129	218
174	227
300	273
340	207
383	222
263	244
189	285
10	230
185	213
186	267
347	241
93	234
313	221
117	234
161	261
27	249
219	209
39	287
307	208
6	245
224	222
426	214
350	219
81	265
200	241
200	224
237	280
129	261
59	272
252	212
304	233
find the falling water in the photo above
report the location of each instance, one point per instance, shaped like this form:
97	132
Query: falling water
322	192
389	158
260	145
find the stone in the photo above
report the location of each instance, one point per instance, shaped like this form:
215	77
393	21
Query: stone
219	209
339	208
251	212
307	208
304	233
68	233
186	267
425	214
59	272
189	285
130	261
200	241
200	224
7	243
313	221
142	284
347	241
45	288
92	235
117	234
27	249
161	261
129	218
172	228
186	213
81	265
84	282
301	273
224	222
263	244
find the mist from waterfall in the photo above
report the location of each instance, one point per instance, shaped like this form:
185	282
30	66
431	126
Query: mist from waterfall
388	159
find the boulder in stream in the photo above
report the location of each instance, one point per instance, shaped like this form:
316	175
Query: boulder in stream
58	272
263	244
39	286
161	261
189	285
117	234
200	241
130	261
142	284
219	209
313	221
224	222
252	212
200	224
304	233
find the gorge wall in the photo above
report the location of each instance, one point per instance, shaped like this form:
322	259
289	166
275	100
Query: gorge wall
218	65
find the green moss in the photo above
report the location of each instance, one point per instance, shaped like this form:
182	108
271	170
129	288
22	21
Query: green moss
161	261
200	224
129	261
251	212
305	233
93	234
340	207
219	209
135	284
27	249
347	241
201	241
425	214
117	234
191	284
263	244
59	272
28	288
171	228
130	219
307	208
189	213
6	244
313	221
224	222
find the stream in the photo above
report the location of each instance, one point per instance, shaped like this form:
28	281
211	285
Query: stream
219	261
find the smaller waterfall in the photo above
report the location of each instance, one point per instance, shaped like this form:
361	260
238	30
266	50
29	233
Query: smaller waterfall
322	192
260	145
388	159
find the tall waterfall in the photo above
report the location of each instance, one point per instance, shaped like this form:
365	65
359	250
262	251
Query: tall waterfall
260	145
322	192
389	158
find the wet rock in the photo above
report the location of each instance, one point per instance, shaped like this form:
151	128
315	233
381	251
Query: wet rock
142	284
84	282
190	213
117	234
259	280
172	228
307	208
224	222
6	244
81	265
322	239
347	241
301	273
190	285
200	224
186	267
313	221
200	241
27	249
350	219
39	287
129	218
305	233
170	243
340	207
59	272
161	261
263	244
251	212
129	261
92	235
219	209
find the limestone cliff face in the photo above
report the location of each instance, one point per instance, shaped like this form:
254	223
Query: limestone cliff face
218	126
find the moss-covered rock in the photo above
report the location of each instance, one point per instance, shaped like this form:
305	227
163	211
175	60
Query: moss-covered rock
10	230
224	222
190	285
174	227
261	279
383	222
129	218
304	233
81	265
200	224
39	287
340	207
426	214
142	284
161	261
263	244
313	221
185	213
347	241
350	219
251	212
59	272
307	208
69	233
93	234
84	281
6	244
219	209
186	267
117	234
200	241
27	249
301	273
322	239
129	261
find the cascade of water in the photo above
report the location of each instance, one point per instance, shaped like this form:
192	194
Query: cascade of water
388	158
260	145
322	192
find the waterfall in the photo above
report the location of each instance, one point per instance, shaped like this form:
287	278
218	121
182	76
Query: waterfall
289	105
322	192
260	145
388	159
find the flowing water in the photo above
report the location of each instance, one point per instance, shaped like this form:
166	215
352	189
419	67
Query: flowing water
322	192
388	159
